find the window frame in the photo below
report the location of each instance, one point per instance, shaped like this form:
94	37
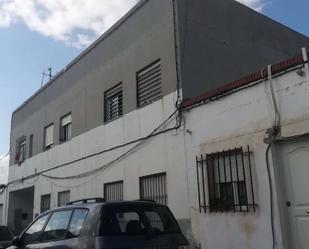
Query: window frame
107	118
45	195
225	181
30	152
62	127
138	104
19	156
163	189
107	184
48	147
61	192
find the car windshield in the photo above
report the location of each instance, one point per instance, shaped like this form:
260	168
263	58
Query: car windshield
137	220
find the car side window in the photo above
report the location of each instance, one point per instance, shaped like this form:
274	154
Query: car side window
34	231
77	222
56	228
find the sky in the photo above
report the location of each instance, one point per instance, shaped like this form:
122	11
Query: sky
38	34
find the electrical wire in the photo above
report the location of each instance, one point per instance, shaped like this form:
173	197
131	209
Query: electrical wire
270	195
103	167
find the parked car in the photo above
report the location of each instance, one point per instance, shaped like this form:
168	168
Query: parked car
6	236
93	223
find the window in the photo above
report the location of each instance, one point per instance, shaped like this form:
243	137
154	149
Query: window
45	203
149	84
34	231
153	187
20	155
113	103
117	220
63	198
77	222
48	136
31	145
66	128
225	181
56	228
113	191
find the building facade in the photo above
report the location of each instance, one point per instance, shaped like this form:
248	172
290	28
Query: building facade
248	170
110	124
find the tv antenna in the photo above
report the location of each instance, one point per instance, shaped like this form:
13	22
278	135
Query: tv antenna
48	74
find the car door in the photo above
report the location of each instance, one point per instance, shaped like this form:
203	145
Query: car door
55	232
31	236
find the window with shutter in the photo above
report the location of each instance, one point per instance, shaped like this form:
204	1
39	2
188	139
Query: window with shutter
149	84
48	136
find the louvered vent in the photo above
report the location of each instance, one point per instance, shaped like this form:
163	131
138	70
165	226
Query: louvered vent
113	103
149	84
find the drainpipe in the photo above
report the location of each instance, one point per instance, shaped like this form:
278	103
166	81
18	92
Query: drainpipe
305	59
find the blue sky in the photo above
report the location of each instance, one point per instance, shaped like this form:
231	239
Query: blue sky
36	34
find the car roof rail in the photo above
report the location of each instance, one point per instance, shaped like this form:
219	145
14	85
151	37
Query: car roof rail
146	200
87	200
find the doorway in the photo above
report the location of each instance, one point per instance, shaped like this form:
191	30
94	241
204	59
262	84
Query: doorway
294	157
20	211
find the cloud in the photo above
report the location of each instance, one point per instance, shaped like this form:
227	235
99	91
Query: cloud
4	169
257	5
75	22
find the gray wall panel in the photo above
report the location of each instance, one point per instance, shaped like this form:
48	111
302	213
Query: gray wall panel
146	35
222	40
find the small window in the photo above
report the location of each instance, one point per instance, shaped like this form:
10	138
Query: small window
56	228
113	191
31	145
63	198
45	203
66	128
113	103
149	84
34	231
225	181
153	187
20	155
48	136
77	222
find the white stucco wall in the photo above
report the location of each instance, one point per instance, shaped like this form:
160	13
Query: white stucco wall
163	153
241	119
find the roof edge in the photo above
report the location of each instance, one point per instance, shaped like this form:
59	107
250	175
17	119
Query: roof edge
244	81
108	32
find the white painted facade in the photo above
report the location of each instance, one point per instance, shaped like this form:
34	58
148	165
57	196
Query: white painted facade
241	119
162	153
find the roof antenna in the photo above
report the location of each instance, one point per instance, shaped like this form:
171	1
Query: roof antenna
49	74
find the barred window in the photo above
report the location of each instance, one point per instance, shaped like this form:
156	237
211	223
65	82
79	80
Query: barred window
225	181
149	84
113	191
153	187
45	202
113	103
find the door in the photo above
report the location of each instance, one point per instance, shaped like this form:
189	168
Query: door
295	165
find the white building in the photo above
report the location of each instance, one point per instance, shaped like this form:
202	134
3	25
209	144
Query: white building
241	114
109	123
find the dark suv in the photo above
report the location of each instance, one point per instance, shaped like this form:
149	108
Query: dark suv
93	223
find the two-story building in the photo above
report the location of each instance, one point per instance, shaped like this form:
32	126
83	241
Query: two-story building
109	124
